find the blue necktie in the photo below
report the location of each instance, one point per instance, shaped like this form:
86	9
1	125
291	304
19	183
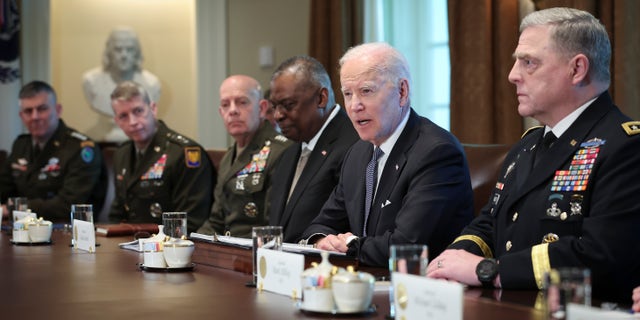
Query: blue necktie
370	184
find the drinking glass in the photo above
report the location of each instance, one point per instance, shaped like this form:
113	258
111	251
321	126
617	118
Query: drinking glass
267	237
16	203
83	212
175	224
409	259
564	286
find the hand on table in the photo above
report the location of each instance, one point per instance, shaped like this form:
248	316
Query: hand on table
456	265
334	242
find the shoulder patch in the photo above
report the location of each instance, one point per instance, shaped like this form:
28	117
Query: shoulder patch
280	138
87	154
192	157
631	128
79	136
530	130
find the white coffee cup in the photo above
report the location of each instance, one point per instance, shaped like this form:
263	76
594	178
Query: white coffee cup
352	291
40	231
317	299
154	259
177	253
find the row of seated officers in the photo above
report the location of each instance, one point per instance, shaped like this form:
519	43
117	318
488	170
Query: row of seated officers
359	178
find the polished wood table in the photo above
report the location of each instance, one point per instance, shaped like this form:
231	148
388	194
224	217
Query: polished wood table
57	282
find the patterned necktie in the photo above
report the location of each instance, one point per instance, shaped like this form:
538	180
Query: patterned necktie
302	161
370	185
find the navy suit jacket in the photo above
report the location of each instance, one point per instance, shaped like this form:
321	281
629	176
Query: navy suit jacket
319	177
424	195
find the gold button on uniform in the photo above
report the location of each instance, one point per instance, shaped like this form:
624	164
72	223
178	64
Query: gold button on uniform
550	237
508	245
515	217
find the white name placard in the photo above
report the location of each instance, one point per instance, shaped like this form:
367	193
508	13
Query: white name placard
419	297
84	235
280	272
20	215
581	312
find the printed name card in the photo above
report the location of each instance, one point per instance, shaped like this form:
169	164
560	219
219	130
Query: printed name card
582	312
21	215
419	297
280	272
84	235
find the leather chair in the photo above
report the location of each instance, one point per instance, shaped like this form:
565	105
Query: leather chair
216	156
3	156
485	161
108	151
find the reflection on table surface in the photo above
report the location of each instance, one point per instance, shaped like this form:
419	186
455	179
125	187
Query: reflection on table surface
57	282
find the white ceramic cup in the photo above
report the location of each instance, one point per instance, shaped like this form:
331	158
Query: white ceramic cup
317	299
178	255
154	259
353	297
40	232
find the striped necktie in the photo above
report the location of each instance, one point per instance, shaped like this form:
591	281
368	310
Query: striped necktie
370	184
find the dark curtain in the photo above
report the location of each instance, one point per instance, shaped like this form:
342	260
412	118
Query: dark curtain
336	25
482	37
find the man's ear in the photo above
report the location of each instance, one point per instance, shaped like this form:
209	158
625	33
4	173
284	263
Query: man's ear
404	92
263	104
579	68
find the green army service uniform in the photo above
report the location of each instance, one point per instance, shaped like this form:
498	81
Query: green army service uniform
69	169
174	174
243	186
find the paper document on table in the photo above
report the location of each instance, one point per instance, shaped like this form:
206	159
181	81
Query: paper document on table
132	245
248	243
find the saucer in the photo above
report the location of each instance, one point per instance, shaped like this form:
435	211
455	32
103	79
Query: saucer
167	269
20	243
370	310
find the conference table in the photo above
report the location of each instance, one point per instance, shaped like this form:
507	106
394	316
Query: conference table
56	281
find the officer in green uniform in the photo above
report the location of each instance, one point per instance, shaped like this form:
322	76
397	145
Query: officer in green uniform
53	165
158	170
246	170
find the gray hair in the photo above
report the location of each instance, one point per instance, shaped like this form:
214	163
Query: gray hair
392	65
128	90
310	69
36	87
573	32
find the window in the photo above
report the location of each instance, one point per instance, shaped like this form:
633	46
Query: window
419	30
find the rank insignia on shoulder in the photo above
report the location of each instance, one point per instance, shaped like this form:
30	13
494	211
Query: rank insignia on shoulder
79	136
193	157
87	154
631	127
281	138
87	143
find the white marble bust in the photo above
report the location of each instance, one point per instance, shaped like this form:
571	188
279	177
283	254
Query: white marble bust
121	61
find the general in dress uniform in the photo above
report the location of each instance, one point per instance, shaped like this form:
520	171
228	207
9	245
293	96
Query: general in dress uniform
174	174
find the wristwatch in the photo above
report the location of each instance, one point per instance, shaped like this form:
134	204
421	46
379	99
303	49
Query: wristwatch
487	271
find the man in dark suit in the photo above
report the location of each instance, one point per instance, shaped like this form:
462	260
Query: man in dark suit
568	203
424	191
305	108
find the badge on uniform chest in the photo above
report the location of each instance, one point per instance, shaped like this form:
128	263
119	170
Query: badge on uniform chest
576	177
156	170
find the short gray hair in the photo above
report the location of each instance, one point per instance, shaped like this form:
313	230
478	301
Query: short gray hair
575	31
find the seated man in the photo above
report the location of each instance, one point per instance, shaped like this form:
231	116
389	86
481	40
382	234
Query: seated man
424	192
246	170
566	196
54	166
306	110
158	170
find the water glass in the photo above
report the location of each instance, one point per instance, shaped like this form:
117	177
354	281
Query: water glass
175	224
566	285
409	259
82	212
18	204
267	237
